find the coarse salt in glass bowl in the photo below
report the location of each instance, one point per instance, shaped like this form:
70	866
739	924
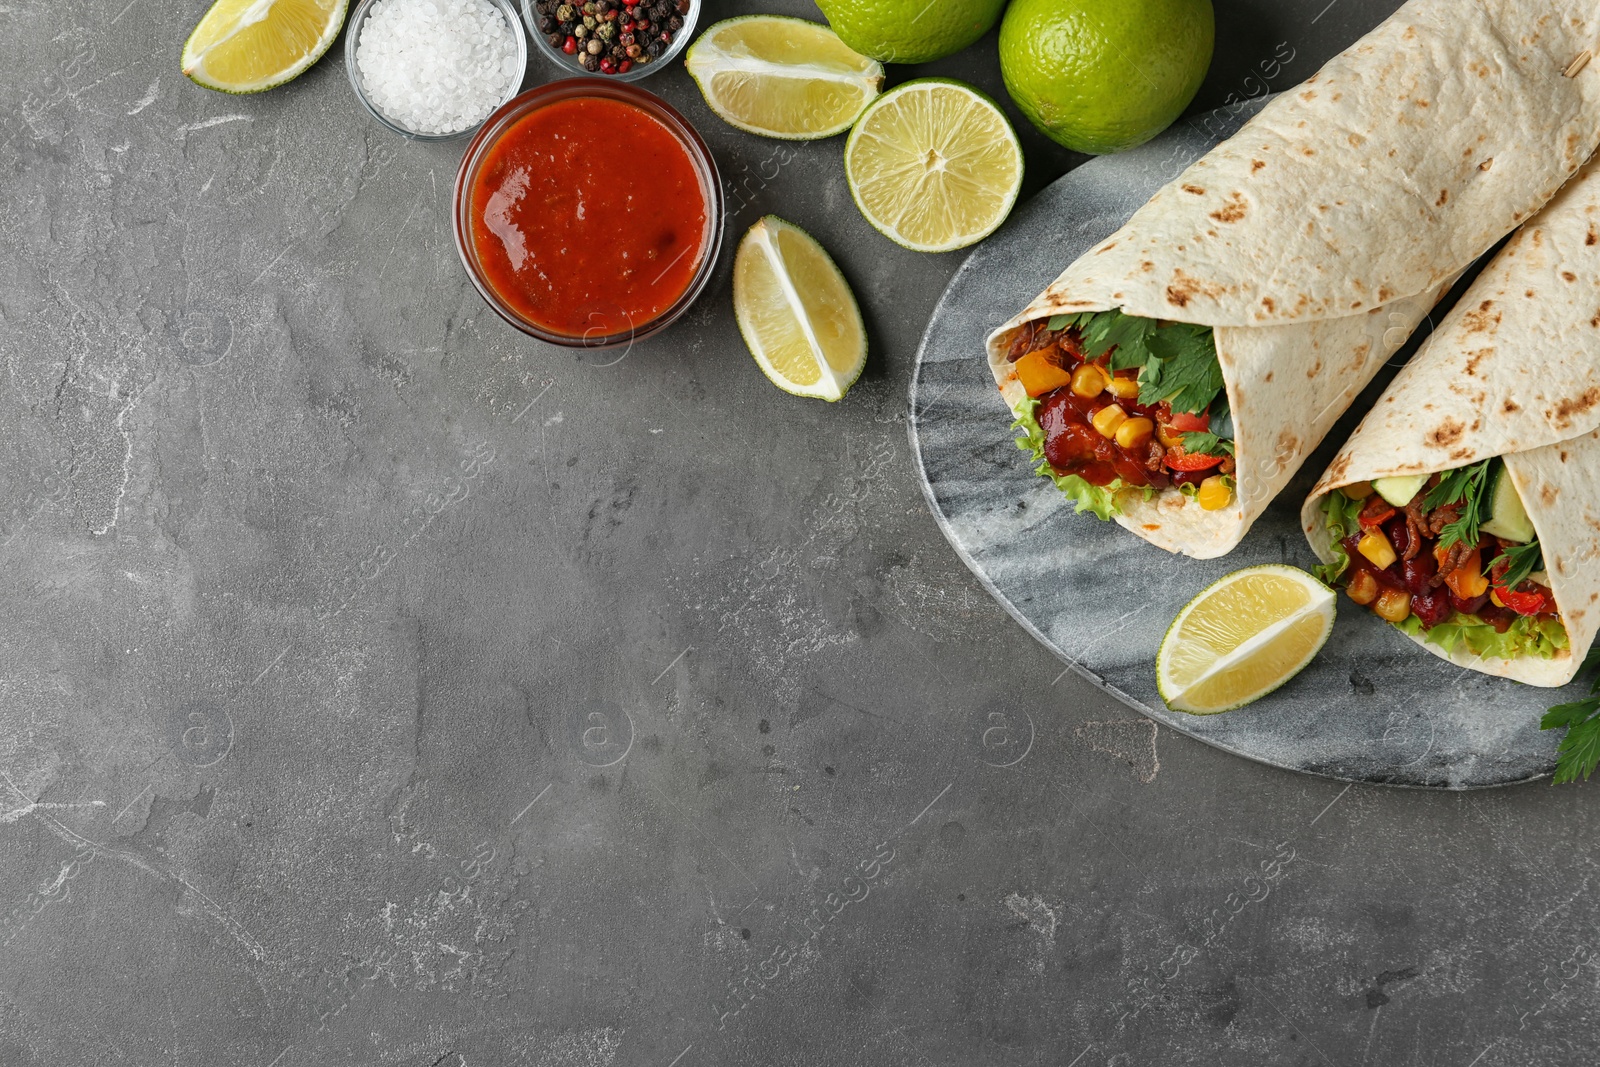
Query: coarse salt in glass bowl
357	25
571	66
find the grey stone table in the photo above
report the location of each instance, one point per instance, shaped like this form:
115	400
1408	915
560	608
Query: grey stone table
380	687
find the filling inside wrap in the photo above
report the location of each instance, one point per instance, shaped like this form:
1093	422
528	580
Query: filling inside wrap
1119	403
1450	556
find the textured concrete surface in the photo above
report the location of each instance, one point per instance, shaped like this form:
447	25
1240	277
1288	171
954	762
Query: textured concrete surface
382	688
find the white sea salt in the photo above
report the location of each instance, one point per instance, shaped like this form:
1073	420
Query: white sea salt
436	66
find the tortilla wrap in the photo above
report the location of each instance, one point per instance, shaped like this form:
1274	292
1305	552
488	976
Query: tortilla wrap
1512	371
1317	238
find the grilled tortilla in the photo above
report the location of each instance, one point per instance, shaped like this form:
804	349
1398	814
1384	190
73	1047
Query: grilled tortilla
1318	237
1513	371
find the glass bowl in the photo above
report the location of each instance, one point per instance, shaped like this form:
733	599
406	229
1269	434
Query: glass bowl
610	88
352	34
570	65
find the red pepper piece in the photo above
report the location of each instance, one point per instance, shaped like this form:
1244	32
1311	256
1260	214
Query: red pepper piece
1521	603
1179	460
1376	512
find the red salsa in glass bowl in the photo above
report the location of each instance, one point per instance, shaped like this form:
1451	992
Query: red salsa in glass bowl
588	214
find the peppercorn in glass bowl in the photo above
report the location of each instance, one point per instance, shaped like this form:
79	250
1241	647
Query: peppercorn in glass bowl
559	25
403	93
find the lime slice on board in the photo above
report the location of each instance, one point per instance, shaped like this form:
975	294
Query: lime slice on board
1244	636
796	311
782	77
934	165
246	46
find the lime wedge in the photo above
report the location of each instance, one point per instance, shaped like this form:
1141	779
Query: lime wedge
796	311
245	46
1244	636
782	77
934	165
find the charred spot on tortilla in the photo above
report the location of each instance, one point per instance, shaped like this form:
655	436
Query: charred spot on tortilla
1316	369
1460	454
1271	305
1444	198
1486	164
1108	246
1548	493
1511	407
1447	433
1257	164
1562	415
1591	238
1475	359
1568	276
1268	377
1195	189
1481	319
1232	210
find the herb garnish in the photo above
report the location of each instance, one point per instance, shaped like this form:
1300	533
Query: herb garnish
1208	444
1177	362
1579	753
1522	560
1464	486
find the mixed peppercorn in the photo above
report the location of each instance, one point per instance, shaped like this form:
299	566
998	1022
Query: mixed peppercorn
611	36
1108	419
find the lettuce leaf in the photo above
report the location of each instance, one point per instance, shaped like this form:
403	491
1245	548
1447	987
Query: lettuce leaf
1101	500
1528	636
1339	514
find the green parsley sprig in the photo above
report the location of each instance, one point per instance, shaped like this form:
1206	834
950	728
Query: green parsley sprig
1522	560
1464	486
1177	362
1579	753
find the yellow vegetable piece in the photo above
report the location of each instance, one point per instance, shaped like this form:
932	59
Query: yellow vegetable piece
1089	380
1039	375
1107	419
1135	433
1376	547
1214	494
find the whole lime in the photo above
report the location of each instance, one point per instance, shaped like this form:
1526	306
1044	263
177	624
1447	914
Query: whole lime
1104	75
910	31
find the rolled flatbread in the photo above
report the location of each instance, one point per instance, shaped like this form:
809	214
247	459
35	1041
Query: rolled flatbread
1317	238
1513	372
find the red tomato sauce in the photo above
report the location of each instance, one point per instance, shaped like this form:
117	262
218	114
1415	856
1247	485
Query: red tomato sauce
588	217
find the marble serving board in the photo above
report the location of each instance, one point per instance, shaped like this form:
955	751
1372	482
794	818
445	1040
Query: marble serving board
1373	707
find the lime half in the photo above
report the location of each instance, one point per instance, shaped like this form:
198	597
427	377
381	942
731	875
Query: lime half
1244	636
934	165
782	77
246	46
796	311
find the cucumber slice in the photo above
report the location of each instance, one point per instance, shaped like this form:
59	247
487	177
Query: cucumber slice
1507	517
1400	489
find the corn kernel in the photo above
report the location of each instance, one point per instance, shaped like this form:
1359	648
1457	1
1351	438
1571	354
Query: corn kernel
1358	491
1393	605
1123	388
1168	436
1363	587
1107	419
1135	433
1376	547
1494	598
1089	380
1214	494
